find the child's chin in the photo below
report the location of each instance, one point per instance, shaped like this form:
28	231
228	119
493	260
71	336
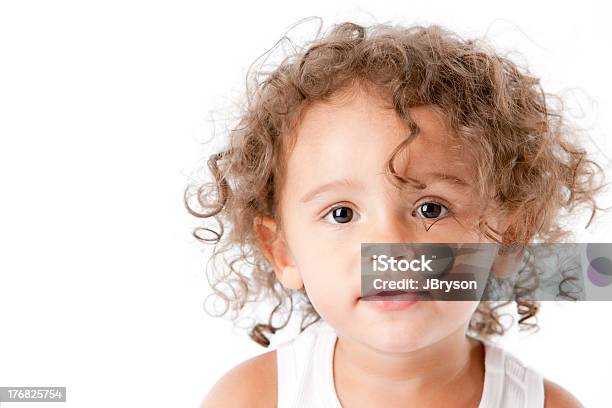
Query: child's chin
396	336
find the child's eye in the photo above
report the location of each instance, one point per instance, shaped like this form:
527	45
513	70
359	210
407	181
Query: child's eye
431	210
340	214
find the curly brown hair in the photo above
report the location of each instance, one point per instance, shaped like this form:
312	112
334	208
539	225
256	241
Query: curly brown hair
523	148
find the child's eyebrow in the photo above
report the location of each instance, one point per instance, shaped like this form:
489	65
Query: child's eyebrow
429	178
445	178
432	178
317	191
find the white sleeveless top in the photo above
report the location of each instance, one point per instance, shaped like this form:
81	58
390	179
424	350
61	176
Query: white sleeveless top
305	374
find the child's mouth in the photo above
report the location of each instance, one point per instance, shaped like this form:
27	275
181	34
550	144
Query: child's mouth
389	295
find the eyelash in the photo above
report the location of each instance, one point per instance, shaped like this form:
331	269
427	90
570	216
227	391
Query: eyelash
427	200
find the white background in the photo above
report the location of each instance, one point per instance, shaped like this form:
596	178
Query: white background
104	107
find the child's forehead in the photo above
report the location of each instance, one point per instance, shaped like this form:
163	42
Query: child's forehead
362	130
348	145
354	110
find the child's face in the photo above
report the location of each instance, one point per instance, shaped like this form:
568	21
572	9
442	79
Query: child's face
349	145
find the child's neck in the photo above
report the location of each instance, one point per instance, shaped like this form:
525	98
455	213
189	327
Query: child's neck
448	370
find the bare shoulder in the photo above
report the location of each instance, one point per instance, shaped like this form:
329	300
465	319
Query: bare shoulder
251	383
556	396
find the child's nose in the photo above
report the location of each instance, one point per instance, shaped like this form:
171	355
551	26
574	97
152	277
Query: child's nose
392	230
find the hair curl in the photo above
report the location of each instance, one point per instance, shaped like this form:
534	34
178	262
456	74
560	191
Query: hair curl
522	145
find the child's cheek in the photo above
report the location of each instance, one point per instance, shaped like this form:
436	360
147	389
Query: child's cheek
456	313
332	279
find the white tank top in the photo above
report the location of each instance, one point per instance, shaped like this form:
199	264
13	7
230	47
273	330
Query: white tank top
305	374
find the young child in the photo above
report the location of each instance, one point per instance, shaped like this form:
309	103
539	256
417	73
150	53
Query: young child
385	134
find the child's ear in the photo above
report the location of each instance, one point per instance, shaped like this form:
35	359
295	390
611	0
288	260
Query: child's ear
509	257
508	260
276	251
